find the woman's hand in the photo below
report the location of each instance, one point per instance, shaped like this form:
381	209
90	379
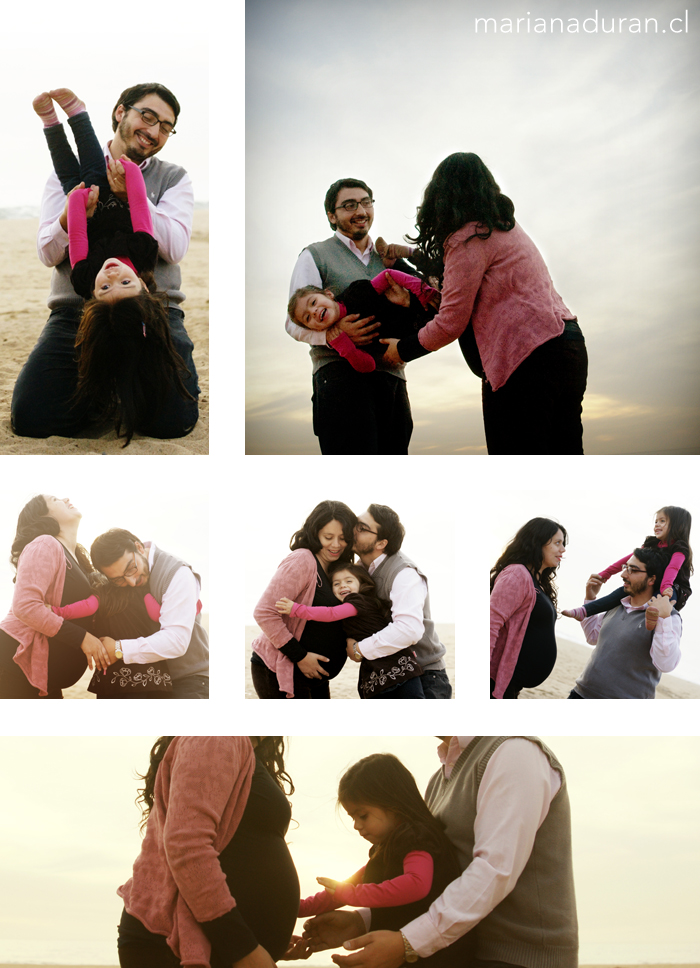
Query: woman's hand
258	958
329	884
310	667
391	356
396	293
330	930
284	606
96	652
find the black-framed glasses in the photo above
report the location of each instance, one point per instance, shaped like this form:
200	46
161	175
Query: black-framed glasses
352	204
633	570
131	569
151	119
363	529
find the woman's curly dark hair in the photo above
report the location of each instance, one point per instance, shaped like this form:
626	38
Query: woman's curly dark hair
526	549
127	363
323	514
33	521
461	190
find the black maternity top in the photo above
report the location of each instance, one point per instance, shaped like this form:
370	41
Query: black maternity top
538	652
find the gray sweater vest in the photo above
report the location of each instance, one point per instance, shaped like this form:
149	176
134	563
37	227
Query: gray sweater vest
339	267
536	924
159	176
621	666
196	660
429	649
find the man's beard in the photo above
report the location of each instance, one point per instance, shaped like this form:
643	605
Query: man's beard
133	151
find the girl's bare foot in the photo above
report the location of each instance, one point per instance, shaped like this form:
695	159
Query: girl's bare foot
651	617
43	105
69	101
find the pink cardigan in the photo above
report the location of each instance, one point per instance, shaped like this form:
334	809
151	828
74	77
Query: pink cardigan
295	578
201	790
41	573
503	288
512	602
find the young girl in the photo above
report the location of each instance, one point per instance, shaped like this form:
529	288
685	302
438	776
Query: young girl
127	361
671	532
363	613
411	861
319	310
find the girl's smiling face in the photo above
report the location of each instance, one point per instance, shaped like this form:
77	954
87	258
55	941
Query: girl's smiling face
661	526
372	823
116	280
317	310
344	583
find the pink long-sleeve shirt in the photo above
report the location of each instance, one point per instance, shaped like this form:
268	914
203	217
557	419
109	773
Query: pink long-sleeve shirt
41	574
501	286
201	790
512	601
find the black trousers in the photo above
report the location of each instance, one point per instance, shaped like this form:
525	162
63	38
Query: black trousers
538	410
42	402
267	686
360	413
89	167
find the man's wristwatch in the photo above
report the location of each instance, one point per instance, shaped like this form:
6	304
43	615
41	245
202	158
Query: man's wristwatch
118	649
409	954
358	654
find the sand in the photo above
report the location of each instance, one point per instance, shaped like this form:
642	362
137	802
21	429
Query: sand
571	661
344	686
25	282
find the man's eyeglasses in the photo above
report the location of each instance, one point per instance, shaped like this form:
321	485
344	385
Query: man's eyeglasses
151	119
131	569
363	529
352	203
633	570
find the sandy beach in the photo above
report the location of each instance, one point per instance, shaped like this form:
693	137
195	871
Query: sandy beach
344	686
571	661
25	286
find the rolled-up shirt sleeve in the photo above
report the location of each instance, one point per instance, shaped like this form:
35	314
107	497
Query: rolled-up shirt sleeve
408	594
178	611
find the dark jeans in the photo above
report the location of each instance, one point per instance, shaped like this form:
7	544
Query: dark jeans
191	687
65	666
574	695
42	402
267	686
89	167
360	413
436	684
412	689
538	410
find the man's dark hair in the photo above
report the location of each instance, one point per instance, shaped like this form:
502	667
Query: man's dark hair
389	527
334	191
110	546
653	560
133	94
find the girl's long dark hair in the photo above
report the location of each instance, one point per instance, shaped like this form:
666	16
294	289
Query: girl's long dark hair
368	587
526	549
323	514
270	751
127	363
34	520
461	190
381	780
678	539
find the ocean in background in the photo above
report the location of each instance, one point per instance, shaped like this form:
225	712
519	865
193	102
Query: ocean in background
37	952
20	211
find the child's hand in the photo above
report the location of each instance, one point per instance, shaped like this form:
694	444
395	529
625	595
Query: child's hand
92	200
668	592
329	884
284	606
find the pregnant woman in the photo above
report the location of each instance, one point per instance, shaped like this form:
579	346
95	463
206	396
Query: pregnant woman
498	299
295	658
40	652
200	894
524	608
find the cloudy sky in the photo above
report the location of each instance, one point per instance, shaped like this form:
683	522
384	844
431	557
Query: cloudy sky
593	136
634	814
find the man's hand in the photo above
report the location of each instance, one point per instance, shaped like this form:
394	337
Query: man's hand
396	293
390	253
593	586
110	646
350	649
330	930
117	179
96	652
391	356
310	667
663	604
258	958
360	331
380	949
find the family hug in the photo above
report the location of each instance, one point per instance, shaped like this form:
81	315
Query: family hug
321	608
470	274
115	223
129	610
636	629
478	874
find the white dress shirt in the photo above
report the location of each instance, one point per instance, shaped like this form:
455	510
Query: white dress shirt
666	644
408	594
178	611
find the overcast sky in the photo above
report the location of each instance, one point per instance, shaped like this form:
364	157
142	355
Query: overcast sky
71	830
594	136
